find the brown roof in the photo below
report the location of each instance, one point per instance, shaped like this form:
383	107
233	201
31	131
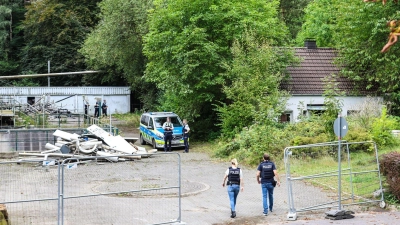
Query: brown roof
307	78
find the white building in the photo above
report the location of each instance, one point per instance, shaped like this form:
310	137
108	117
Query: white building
307	81
73	99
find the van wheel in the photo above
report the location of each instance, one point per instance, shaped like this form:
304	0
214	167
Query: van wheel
142	142
154	144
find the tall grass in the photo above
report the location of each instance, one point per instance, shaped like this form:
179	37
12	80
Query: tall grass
128	119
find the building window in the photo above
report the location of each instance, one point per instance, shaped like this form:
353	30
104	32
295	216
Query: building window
316	109
286	117
31	100
352	112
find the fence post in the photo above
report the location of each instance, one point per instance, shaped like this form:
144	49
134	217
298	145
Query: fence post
16	140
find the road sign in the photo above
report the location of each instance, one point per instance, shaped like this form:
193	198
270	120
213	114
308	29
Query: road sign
340	127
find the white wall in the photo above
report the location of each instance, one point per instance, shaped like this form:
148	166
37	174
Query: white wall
75	104
349	103
117	98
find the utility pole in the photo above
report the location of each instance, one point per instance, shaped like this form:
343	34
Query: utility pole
48	71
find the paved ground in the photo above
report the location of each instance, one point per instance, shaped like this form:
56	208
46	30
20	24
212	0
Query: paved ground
204	201
211	204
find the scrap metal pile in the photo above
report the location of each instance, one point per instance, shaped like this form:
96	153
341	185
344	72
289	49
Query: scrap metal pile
97	142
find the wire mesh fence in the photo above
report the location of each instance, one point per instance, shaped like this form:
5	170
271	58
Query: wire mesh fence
359	183
29	139
30	192
36	139
92	190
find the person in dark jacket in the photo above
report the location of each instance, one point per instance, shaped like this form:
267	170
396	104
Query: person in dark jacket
235	183
168	130
96	110
267	171
185	133
104	107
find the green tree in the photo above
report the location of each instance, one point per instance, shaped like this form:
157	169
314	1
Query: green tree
320	23
11	15
116	46
253	92
188	43
362	41
292	12
54	31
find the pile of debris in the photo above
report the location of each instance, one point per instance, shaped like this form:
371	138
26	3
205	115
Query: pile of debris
97	142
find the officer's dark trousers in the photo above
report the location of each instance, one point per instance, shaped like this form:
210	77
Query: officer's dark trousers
186	142
167	138
96	113
104	112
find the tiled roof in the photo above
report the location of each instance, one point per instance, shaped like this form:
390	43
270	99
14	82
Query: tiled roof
307	78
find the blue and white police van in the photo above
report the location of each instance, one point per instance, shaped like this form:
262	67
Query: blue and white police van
151	130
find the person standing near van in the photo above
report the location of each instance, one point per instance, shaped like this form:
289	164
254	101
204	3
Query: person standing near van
104	108
185	133
267	171
168	130
235	183
96	110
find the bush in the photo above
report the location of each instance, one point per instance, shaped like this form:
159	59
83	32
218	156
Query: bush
382	129
390	167
359	135
250	145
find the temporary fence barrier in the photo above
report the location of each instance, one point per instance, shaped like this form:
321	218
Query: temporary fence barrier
93	190
359	177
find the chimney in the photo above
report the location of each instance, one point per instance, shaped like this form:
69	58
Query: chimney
310	43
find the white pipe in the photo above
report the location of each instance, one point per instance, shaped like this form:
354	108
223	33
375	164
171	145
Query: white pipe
64	142
50	146
101	153
51	150
47	74
59	144
87	151
131	156
65	135
91	143
52	154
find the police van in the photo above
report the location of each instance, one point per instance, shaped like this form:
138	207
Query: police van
151	130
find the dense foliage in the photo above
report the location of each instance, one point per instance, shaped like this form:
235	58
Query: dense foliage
120	34
252	92
11	35
54	31
188	44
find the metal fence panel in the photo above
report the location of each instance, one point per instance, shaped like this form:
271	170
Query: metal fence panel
29	139
360	178
131	192
30	192
93	190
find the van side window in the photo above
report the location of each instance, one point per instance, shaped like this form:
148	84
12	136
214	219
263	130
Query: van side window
144	120
151	122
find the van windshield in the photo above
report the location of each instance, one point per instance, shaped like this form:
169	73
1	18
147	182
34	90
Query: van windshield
159	121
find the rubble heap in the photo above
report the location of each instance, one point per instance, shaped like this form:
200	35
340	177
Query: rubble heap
97	142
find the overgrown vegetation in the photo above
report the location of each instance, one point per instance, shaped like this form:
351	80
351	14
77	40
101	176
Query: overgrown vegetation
253	141
390	167
128	119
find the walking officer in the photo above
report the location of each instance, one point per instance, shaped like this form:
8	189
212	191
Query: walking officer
267	171
235	183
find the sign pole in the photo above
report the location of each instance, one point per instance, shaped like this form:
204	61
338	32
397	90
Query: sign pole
339	162
340	127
